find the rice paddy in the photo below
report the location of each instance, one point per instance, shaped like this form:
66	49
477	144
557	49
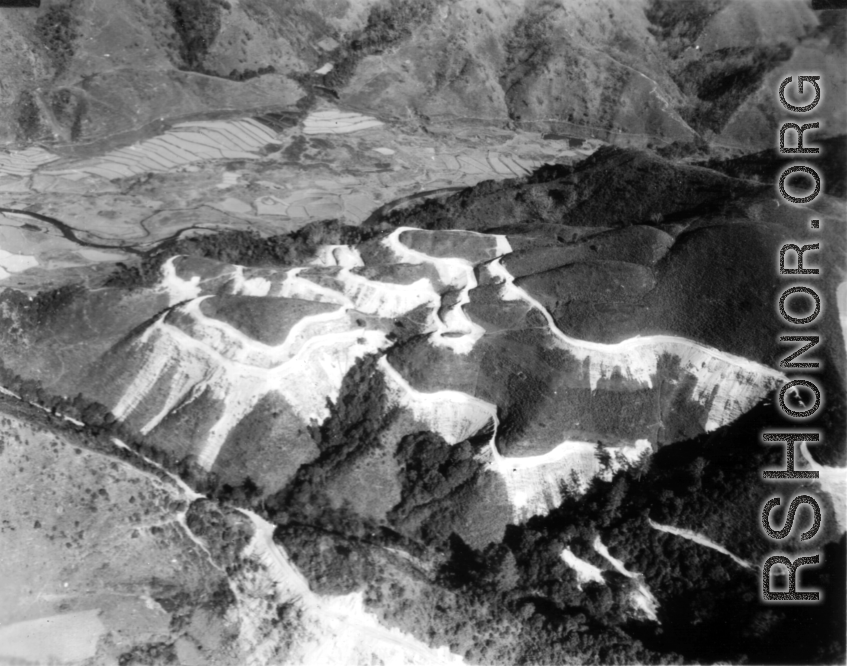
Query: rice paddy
338	122
24	162
184	144
224	174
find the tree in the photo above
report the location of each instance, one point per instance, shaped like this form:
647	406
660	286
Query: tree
501	572
641	467
603	457
613	500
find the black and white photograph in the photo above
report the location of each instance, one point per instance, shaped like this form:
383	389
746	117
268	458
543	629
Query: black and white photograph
423	332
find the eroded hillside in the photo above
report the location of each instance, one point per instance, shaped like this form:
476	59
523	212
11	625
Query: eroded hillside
405	399
408	331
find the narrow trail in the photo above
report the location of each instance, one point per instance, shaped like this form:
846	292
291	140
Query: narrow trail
240	369
513	292
349	630
643	598
702	540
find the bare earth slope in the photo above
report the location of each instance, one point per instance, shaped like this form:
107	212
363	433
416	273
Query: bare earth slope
427	403
408	331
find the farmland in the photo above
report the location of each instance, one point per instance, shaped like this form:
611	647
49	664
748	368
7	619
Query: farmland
242	172
410	332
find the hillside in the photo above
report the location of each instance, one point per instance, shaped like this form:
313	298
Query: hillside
414	332
430	391
632	73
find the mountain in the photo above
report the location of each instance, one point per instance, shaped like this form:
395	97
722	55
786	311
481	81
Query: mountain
411	332
648	71
437	384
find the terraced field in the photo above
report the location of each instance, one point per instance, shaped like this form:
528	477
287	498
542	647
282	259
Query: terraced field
408	332
24	162
185	143
258	172
338	122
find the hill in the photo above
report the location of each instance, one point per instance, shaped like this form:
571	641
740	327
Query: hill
652	71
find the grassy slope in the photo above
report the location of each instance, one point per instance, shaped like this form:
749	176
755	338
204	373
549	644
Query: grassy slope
556	618
268	320
725	228
83	528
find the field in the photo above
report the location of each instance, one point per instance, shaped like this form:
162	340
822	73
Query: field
197	176
172	575
374	332
184	144
24	162
96	558
336	122
60	638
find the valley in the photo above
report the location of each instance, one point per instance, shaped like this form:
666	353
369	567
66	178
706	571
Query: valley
409	332
241	374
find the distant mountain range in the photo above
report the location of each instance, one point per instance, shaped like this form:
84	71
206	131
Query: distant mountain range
634	73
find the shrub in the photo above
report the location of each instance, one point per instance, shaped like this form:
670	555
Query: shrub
57	31
197	22
29	125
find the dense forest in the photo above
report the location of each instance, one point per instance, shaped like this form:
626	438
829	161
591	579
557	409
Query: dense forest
516	600
387	24
442	559
57	30
708	606
245	248
197	24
